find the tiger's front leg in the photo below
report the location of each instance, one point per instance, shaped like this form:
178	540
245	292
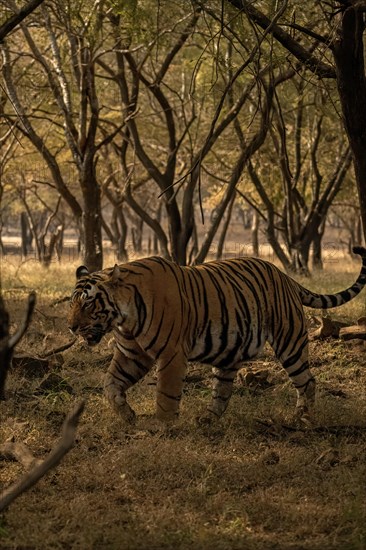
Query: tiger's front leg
170	380
122	374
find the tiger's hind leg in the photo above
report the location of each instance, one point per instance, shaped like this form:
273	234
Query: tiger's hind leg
122	374
294	359
222	388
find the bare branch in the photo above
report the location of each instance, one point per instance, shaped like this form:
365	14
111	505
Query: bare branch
17	18
305	56
53	459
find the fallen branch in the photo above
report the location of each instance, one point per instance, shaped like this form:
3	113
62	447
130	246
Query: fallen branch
59	349
53	459
356	331
328	328
12	450
61	301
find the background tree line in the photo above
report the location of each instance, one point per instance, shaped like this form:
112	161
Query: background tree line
122	114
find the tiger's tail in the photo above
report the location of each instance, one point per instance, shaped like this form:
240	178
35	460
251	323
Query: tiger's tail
327	301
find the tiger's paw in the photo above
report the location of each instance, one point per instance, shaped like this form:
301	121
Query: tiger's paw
122	408
153	425
166	417
126	414
303	417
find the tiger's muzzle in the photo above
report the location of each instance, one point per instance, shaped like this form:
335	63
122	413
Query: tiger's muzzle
91	334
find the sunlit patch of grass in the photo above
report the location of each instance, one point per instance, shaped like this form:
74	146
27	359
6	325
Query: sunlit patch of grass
19	276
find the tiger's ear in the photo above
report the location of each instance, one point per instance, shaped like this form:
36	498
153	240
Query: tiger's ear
115	274
81	271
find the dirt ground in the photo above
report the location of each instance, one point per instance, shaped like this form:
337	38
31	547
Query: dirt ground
253	481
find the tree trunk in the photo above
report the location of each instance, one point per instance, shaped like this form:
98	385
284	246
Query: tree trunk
359	231
317	251
137	233
91	241
254	233
300	259
5	351
348	53
222	238
122	254
26	235
159	214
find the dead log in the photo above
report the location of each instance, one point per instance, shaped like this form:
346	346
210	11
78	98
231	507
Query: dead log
328	328
350	333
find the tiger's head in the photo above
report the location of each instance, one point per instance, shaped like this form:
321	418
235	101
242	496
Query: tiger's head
93	312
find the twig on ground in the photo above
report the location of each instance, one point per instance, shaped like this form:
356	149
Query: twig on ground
54	351
12	450
60	301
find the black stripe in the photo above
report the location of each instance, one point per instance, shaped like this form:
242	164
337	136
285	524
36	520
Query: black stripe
141	312
167	341
224	314
124	375
205	319
290	361
346	296
231	356
166	365
173	397
333	299
155	337
208	346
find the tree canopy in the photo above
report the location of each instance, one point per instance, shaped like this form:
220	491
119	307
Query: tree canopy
153	113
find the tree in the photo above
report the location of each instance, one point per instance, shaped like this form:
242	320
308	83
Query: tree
190	129
73	106
128	119
294	176
334	29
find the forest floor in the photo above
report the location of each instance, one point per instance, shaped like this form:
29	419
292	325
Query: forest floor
254	480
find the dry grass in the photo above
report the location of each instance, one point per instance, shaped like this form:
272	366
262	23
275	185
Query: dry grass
247	483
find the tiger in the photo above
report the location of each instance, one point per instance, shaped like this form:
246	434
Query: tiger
220	313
